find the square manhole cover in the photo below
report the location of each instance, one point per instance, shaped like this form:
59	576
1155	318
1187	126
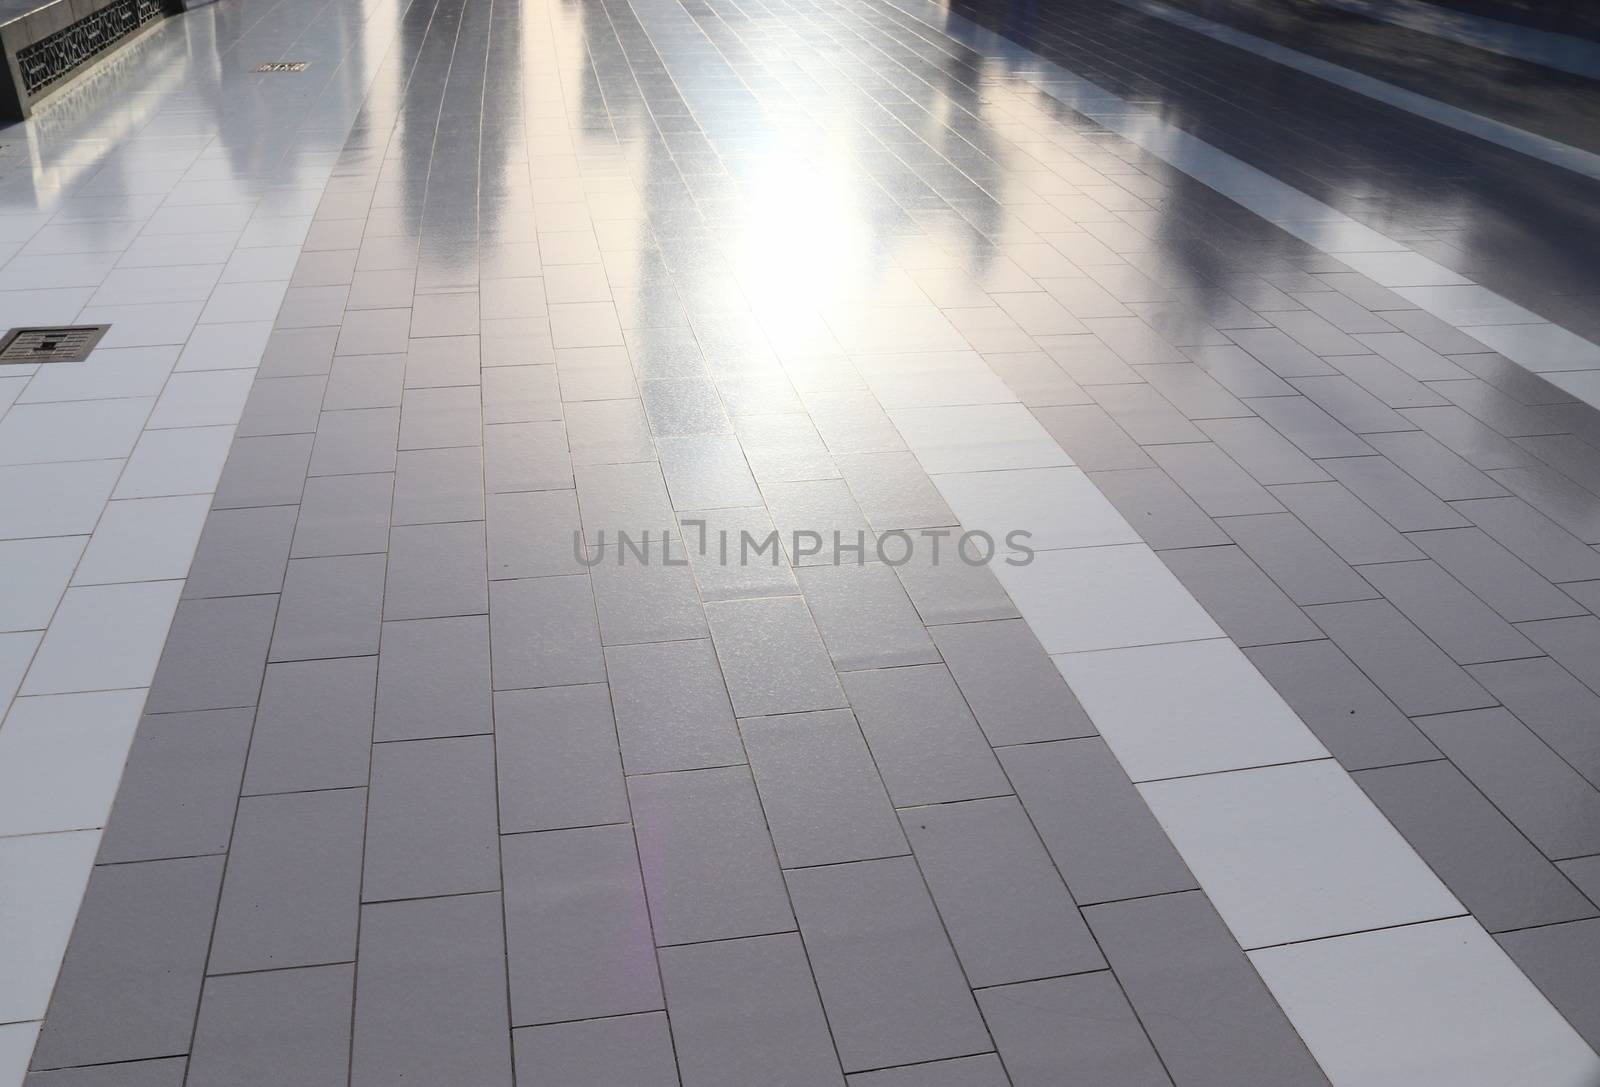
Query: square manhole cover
62	343
283	66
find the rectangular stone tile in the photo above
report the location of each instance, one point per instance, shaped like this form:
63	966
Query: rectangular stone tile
1399	658
543	632
179	788
709	868
433	679
1147	416
923	737
967	849
1348	526
433	486
1097	828
431	998
1534	538
241	553
1213	480
1063	1030
893	491
45	877
282	405
1489	405
431	819
671	707
1536	789
865	617
356	441
1192	391
1574	643
984	1070
280	1026
1179	965
1238	371
1246	604
820	789
435	571
1313	430
577	932
949	592
706	471
736	554
1388	382
889	980
1561	960
772	657
1397	498
314	727
1353	406
438	418
1479	445
214	654
1268	456
1551	702
344	515
1090	436
646	593
331	607
631	1049
1012	688
743	1009
1461	624
1482	858
264	472
1439	469
630	498
1352	718
131	978
526	457
292	890
557	759
1550	492
534	534
1160	511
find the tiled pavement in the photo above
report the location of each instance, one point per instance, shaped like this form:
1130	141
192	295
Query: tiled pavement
1277	764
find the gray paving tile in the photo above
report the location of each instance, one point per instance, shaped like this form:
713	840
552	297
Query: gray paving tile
1574	643
1482	858
557	759
890	983
1533	538
291	893
356	441
629	498
1551	702
1268	456
131	978
746	1011
436	571
214	654
179	787
1091	438
282	405
1399	658
1346	524
736	554
1544	796
928	747
1147	416
865	617
433	486
431	819
1389	383
534	534
1584	872
1179	965
1561	960
526	457
344	515
772	657
1238	371
543	631
1315	332
1246	604
263	472
431	998
945	591
1488	404
707	471
1461	624
1352	718
1313	430
1399	499
646	594
577	931
1477	444
1034	930
241	553
1213	480
980	1071
331	607
622	1051
709	867
1436	467
1351	405
157	1073
1063	1030
281	1026
1160	511
433	679
820	790
1193	391
437	418
1305	567
1009	683
298	351
672	709
364	381
893	491
314	727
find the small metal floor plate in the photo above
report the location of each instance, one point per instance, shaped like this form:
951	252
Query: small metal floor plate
283	66
60	343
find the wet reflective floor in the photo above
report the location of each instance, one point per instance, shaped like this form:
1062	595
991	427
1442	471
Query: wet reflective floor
633	542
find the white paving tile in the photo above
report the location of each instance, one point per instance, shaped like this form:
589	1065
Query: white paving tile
1541	348
61	757
144	539
76	430
104	637
55	499
1296	852
1403	269
1434	1005
167	462
204	398
1103	598
105	374
1186	708
234	346
33	575
16	652
16	1047
42	877
1057	507
977	438
1467	303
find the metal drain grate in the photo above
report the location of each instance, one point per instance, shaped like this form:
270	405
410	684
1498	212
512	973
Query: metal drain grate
283	66
67	343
